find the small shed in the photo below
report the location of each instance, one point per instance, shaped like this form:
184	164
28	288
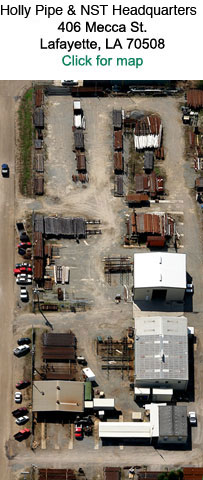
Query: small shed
117	119
39	162
79	139
39	118
148	161
39	185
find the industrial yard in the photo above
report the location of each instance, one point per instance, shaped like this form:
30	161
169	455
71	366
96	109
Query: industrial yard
98	207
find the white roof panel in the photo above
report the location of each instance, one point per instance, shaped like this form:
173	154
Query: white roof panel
160	270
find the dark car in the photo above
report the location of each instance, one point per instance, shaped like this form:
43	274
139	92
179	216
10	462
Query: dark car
24	341
19	412
22	384
22	434
5	170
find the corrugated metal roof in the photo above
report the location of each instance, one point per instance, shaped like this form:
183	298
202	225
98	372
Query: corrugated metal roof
79	139
38	269
137	198
118	140
117	118
69	397
81	162
161	349
59	226
112	473
38	245
148	160
192	473
195	98
59	339
38	223
39	162
173	421
39	97
118	162
39	185
39	118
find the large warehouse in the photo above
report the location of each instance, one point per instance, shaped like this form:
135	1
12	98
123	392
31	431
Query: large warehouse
161	352
159	276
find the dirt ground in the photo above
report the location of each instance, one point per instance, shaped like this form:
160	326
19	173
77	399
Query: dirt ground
95	200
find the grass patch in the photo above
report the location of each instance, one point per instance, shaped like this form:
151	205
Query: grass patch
25	141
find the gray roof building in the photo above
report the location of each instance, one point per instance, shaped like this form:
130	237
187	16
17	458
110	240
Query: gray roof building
161	352
173	424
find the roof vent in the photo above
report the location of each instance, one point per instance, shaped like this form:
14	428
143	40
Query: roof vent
160	279
160	260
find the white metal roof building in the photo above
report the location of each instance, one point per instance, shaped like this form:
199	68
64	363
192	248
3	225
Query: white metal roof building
161	352
167	425
159	275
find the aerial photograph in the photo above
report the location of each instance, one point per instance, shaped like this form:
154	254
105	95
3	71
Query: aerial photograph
101	280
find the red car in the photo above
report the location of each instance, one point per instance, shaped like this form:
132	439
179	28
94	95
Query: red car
22	384
22	269
24	245
78	432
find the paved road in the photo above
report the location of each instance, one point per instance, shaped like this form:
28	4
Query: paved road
8	90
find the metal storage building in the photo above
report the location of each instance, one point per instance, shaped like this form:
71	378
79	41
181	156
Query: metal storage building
148	160
79	140
39	118
159	276
58	395
173	424
161	352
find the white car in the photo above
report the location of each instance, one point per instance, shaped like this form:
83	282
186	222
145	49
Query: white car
24	296
192	418
21	350
18	397
24	279
22	420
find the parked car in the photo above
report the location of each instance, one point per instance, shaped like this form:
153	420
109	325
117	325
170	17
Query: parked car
19	412
24	245
22	434
22	269
192	418
21	351
18	397
22	420
24	341
78	432
23	279
22	384
5	170
24	295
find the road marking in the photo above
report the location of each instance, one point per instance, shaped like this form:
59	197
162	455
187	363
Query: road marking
86	243
70	445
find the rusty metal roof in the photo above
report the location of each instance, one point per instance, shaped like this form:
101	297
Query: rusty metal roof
137	198
118	161
195	98
38	185
38	269
192	473
118	140
59	339
39	97
112	473
38	245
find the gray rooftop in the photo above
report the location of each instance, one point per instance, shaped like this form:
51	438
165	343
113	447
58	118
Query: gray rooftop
161	348
117	118
172	421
